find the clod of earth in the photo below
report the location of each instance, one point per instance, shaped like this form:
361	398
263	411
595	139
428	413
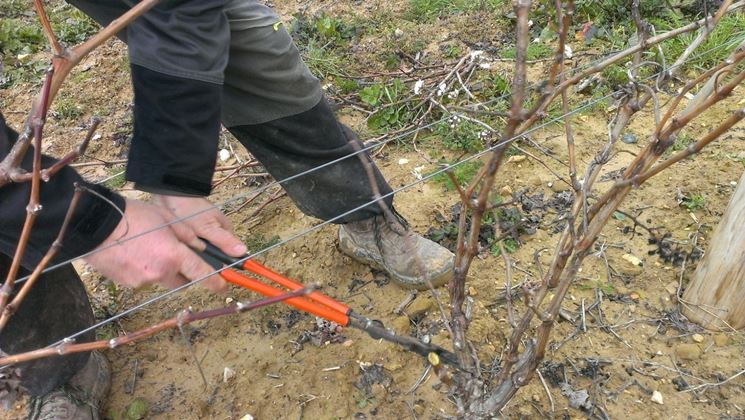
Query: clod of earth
688	351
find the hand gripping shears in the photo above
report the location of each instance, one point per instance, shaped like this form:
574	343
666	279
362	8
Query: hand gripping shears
316	303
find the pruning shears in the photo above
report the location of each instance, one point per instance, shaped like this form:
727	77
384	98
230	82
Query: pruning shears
316	303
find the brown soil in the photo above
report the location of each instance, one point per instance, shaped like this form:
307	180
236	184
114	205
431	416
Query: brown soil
619	360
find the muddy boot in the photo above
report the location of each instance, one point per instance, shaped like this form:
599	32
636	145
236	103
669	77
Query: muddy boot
410	259
81	398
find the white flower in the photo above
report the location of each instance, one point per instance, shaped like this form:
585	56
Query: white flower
441	89
568	51
418	86
476	54
417	172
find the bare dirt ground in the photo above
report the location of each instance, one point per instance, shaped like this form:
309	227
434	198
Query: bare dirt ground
632	342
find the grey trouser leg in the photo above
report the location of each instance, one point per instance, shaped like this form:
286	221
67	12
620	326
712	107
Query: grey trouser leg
309	140
271	102
274	106
56	307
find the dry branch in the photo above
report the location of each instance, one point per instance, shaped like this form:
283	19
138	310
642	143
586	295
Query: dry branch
183	318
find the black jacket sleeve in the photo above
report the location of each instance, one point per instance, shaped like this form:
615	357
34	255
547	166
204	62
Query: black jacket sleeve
93	221
177	123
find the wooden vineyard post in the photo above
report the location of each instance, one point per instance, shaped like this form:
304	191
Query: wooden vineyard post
715	297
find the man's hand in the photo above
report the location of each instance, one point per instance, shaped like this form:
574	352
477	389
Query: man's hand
162	256
209	224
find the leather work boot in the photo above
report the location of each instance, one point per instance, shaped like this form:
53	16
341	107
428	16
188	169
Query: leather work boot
80	398
410	259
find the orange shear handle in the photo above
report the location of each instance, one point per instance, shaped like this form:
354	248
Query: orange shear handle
257	268
300	303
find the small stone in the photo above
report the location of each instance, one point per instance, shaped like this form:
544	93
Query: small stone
721	340
398	33
628	265
536	398
633	259
393	366
472	291
347	343
697	338
227	374
247	417
516	159
228	300
421	305
672	288
632	308
401	324
558	186
634	296
657	397
224	155
688	351
629	138
506	191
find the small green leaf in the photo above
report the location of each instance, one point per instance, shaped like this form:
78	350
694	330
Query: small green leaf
136	410
371	95
619	216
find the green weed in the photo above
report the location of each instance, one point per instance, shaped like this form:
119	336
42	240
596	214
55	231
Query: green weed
500	85
510	246
451	51
21	35
66	109
17	37
321	40
607	13
387	100
258	242
534	52
72	26
615	76
459	134
430	9
330	28
116	182
606	288
682	141
321	59
727	35
463	174
693	202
